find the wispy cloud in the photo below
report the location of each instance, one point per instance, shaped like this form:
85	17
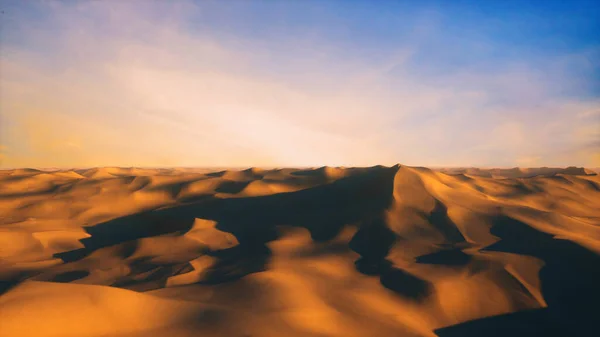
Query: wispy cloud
124	84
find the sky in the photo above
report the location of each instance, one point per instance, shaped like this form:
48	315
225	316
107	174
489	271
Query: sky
299	83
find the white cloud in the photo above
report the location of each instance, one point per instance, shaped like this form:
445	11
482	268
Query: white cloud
136	79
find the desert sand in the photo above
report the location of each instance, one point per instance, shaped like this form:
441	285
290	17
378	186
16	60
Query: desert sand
379	251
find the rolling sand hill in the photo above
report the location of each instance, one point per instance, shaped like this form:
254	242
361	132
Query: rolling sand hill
380	251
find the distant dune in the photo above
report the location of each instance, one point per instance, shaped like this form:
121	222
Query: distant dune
379	251
518	172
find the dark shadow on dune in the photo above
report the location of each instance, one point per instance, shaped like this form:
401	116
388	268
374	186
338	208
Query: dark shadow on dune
450	257
323	210
323	249
324	230
406	284
560	179
216	174
146	275
6	285
237	262
441	221
126	229
251	255
519	324
372	266
318	172
592	185
373	242
519	189
569	283
70	276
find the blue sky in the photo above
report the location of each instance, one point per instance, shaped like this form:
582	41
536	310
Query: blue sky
299	83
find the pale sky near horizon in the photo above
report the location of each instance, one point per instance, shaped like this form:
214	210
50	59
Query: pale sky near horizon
299	83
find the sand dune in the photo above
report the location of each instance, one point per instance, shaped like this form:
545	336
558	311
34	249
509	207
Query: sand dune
381	251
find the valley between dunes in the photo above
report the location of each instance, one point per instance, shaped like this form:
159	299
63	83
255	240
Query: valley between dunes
379	251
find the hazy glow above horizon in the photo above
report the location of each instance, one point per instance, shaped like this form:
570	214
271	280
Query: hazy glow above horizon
299	83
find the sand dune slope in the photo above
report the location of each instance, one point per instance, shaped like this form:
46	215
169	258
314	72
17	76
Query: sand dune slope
385	251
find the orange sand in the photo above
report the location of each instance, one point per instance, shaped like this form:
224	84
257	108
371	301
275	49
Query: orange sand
381	251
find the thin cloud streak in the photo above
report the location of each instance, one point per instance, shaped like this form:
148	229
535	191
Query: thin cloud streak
131	86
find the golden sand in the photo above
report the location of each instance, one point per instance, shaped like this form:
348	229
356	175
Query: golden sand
381	251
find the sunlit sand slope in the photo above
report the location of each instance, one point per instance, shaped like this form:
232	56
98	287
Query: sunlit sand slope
380	251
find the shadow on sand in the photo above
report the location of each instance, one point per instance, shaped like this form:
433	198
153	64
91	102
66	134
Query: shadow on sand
569	278
570	281
324	210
